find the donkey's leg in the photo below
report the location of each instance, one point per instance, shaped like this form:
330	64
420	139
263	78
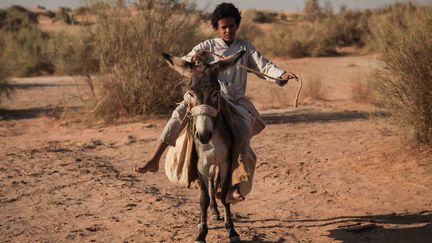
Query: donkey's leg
213	205
229	225
213	182
225	183
204	204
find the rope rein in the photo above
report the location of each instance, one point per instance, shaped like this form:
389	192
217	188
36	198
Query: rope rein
295	102
204	110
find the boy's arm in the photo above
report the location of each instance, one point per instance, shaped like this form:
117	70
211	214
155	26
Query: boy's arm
258	62
189	56
197	54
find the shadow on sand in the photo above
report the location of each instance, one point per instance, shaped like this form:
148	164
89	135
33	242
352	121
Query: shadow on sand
37	85
416	227
19	114
319	116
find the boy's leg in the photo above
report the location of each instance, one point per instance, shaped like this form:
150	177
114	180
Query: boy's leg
152	165
241	148
246	124
168	137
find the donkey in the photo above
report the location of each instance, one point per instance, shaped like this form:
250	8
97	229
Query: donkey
211	135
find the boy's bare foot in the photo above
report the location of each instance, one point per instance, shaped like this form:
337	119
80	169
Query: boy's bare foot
234	196
237	196
151	166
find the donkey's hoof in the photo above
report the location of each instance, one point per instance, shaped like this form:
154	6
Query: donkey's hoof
234	239
216	218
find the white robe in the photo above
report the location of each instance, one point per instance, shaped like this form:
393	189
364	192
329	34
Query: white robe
233	80
233	86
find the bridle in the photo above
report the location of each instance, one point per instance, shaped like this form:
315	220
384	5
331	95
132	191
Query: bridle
199	110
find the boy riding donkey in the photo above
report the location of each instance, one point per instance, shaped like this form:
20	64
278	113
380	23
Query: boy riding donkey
225	20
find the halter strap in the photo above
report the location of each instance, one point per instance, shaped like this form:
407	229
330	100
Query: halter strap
204	110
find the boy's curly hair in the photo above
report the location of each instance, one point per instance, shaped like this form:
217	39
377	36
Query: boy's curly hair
225	10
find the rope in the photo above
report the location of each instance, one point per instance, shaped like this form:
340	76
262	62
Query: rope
295	103
204	110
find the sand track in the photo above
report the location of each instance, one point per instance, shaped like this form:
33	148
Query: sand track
329	172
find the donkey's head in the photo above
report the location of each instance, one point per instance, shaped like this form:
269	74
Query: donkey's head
203	91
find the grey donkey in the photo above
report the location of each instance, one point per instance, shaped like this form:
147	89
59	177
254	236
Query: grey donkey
211	134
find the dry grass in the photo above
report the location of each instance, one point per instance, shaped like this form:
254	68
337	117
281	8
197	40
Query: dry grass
128	43
404	85
26	52
5	87
362	92
73	53
296	41
314	89
316	33
24	45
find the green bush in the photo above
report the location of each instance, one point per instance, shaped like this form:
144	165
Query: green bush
404	84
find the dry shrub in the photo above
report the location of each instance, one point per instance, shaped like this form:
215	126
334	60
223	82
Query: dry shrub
361	92
309	39
23	46
65	15
258	16
5	87
16	17
318	34
26	52
348	28
312	9
404	84
314	89
129	43
248	29
265	17
73	53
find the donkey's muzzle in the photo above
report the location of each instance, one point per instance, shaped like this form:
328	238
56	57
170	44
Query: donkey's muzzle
203	116
204	137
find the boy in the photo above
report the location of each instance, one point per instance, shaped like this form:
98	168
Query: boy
225	20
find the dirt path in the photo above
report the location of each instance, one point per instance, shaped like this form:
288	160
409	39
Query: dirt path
325	173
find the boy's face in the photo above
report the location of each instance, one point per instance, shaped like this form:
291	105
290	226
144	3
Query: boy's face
227	29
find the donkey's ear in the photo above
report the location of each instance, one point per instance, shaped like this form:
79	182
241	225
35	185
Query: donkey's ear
228	61
181	66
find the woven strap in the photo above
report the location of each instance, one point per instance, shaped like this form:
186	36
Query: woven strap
204	110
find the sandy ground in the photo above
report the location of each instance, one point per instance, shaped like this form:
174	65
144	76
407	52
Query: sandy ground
329	171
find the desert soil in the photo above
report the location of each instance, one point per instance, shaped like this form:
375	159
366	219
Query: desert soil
332	170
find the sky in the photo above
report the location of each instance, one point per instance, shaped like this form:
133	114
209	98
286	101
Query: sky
285	5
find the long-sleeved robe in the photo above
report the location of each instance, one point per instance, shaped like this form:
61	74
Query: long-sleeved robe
233	86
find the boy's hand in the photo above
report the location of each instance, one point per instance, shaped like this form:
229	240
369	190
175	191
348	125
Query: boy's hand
285	77
198	57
